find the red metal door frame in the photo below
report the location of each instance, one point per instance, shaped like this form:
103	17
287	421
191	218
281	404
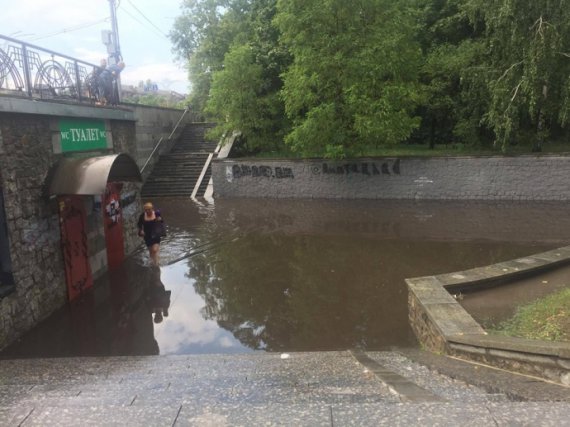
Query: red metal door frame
73	227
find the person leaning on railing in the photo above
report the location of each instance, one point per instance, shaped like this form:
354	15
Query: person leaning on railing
107	80
92	80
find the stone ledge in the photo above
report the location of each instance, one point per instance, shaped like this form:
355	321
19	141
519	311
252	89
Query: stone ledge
63	109
499	342
441	324
503	272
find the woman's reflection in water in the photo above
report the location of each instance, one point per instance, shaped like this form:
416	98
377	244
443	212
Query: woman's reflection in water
159	297
136	308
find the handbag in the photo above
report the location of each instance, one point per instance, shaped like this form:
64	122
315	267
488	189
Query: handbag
159	229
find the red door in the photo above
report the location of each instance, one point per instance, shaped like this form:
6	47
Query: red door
73	228
113	220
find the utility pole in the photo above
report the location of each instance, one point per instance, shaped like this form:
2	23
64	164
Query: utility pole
116	49
111	41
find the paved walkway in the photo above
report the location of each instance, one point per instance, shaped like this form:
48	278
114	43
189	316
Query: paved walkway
296	389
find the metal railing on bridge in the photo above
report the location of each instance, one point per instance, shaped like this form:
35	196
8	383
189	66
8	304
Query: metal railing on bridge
31	71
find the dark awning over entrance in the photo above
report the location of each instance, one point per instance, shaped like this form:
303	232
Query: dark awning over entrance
89	176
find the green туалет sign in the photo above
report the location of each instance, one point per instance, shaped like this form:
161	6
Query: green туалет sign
82	135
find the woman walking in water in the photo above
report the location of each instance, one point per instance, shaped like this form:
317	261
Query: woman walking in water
151	229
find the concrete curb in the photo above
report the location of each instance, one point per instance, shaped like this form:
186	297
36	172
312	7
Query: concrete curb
442	324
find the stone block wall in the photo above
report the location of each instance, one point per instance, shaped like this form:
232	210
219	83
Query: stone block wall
28	150
131	209
33	225
529	177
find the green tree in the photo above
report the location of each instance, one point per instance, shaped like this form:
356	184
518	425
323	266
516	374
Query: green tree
457	98
235	62
528	62
353	81
202	35
234	96
244	94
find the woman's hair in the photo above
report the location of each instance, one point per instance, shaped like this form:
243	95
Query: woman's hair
148	205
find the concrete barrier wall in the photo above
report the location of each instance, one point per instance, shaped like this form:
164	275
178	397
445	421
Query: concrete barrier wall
529	177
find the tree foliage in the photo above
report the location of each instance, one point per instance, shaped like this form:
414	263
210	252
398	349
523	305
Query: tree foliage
453	51
353	80
528	63
202	35
235	97
335	78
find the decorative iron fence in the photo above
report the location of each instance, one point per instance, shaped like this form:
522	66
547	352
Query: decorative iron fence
31	71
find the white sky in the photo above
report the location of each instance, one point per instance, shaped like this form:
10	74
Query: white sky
146	50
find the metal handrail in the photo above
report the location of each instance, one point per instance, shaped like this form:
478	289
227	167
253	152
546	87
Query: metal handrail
201	177
32	71
206	166
161	138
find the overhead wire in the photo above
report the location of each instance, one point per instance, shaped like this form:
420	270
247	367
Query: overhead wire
140	22
157	32
148	20
70	29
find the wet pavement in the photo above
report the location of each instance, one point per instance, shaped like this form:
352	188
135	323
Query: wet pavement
259	275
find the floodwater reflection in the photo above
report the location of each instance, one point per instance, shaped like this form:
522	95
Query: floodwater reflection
282	275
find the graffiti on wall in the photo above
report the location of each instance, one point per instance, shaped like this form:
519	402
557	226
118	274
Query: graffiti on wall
113	210
388	167
239	171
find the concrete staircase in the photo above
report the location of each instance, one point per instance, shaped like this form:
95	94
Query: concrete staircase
176	173
261	389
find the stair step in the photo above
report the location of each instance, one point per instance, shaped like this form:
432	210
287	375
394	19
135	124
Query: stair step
172	183
176	173
166	176
171	166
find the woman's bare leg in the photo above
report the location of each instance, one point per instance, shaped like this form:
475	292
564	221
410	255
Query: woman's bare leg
154	253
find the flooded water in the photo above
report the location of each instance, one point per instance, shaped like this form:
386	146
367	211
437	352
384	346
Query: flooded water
492	306
286	275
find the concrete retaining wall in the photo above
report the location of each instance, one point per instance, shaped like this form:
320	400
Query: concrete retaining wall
529	177
443	326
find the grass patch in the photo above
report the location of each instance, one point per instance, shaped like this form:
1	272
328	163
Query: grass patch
547	318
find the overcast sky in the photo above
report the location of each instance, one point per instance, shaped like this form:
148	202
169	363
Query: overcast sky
73	27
